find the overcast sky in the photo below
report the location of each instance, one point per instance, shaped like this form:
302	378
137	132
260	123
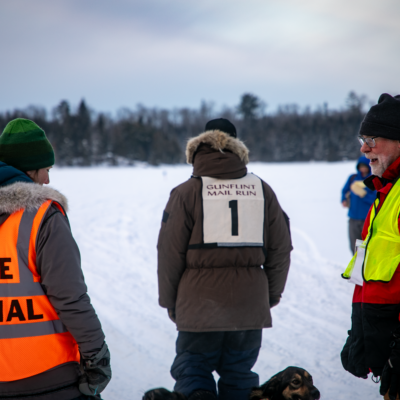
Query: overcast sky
175	53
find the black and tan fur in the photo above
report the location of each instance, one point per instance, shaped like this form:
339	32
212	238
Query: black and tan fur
162	394
293	383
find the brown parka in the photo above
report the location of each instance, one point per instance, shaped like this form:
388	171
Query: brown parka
219	289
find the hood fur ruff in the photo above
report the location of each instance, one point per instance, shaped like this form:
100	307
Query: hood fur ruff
26	195
219	141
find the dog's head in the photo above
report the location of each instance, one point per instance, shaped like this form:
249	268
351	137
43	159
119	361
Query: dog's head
162	394
293	383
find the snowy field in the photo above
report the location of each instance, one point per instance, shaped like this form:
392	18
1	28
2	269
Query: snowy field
115	215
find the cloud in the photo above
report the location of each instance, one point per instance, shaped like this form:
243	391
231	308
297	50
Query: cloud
177	53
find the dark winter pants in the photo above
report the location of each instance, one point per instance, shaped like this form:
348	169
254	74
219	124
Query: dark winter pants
231	354
355	229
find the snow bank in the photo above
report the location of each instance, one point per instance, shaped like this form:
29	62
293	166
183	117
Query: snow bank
115	215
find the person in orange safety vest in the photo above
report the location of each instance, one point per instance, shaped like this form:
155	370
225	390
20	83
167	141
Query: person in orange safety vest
51	341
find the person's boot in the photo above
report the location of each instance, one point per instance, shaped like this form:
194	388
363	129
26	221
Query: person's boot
202	395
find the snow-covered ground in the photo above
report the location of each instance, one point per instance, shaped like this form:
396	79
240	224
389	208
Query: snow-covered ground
115	215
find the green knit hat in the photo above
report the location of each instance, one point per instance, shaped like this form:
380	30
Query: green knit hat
24	145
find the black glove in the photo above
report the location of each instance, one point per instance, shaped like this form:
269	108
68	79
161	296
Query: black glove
171	314
354	362
96	372
390	379
274	301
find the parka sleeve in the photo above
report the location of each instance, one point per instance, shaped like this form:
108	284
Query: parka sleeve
59	265
346	189
278	244
173	240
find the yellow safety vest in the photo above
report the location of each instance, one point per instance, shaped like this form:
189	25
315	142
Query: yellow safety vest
382	244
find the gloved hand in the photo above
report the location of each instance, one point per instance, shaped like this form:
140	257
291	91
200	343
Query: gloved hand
96	372
390	379
355	366
171	314
274	301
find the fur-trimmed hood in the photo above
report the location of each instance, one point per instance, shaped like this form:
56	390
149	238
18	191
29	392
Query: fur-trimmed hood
20	195
219	141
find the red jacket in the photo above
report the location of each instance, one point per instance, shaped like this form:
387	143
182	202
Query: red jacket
376	305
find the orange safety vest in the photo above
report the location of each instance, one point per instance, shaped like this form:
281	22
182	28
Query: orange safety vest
32	337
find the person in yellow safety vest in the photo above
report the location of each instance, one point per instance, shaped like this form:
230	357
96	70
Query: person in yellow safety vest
51	342
373	345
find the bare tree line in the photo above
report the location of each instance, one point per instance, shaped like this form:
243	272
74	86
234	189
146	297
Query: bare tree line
84	137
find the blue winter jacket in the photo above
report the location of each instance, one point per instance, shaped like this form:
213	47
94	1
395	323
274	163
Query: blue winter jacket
359	207
9	175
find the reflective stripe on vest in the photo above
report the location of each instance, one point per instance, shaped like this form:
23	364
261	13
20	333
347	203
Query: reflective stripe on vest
32	337
382	244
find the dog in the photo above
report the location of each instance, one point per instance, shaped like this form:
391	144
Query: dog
293	383
162	394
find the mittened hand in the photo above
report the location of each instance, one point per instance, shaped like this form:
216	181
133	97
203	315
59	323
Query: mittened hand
390	382
97	372
171	314
274	301
390	379
359	370
358	188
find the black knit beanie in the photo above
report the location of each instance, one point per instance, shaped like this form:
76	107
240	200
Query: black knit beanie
383	119
221	124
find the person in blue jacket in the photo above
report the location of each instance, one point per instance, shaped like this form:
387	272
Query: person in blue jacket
358	198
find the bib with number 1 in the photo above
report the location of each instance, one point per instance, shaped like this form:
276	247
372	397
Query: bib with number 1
233	212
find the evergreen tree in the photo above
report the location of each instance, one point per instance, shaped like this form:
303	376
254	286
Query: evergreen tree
159	136
248	107
82	135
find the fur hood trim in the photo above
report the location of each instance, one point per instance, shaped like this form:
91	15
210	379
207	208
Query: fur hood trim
219	141
26	195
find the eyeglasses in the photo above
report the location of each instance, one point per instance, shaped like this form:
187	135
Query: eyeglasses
369	140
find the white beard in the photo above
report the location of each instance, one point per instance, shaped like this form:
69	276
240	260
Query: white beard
381	166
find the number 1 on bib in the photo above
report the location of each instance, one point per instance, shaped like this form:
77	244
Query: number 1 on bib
233	205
